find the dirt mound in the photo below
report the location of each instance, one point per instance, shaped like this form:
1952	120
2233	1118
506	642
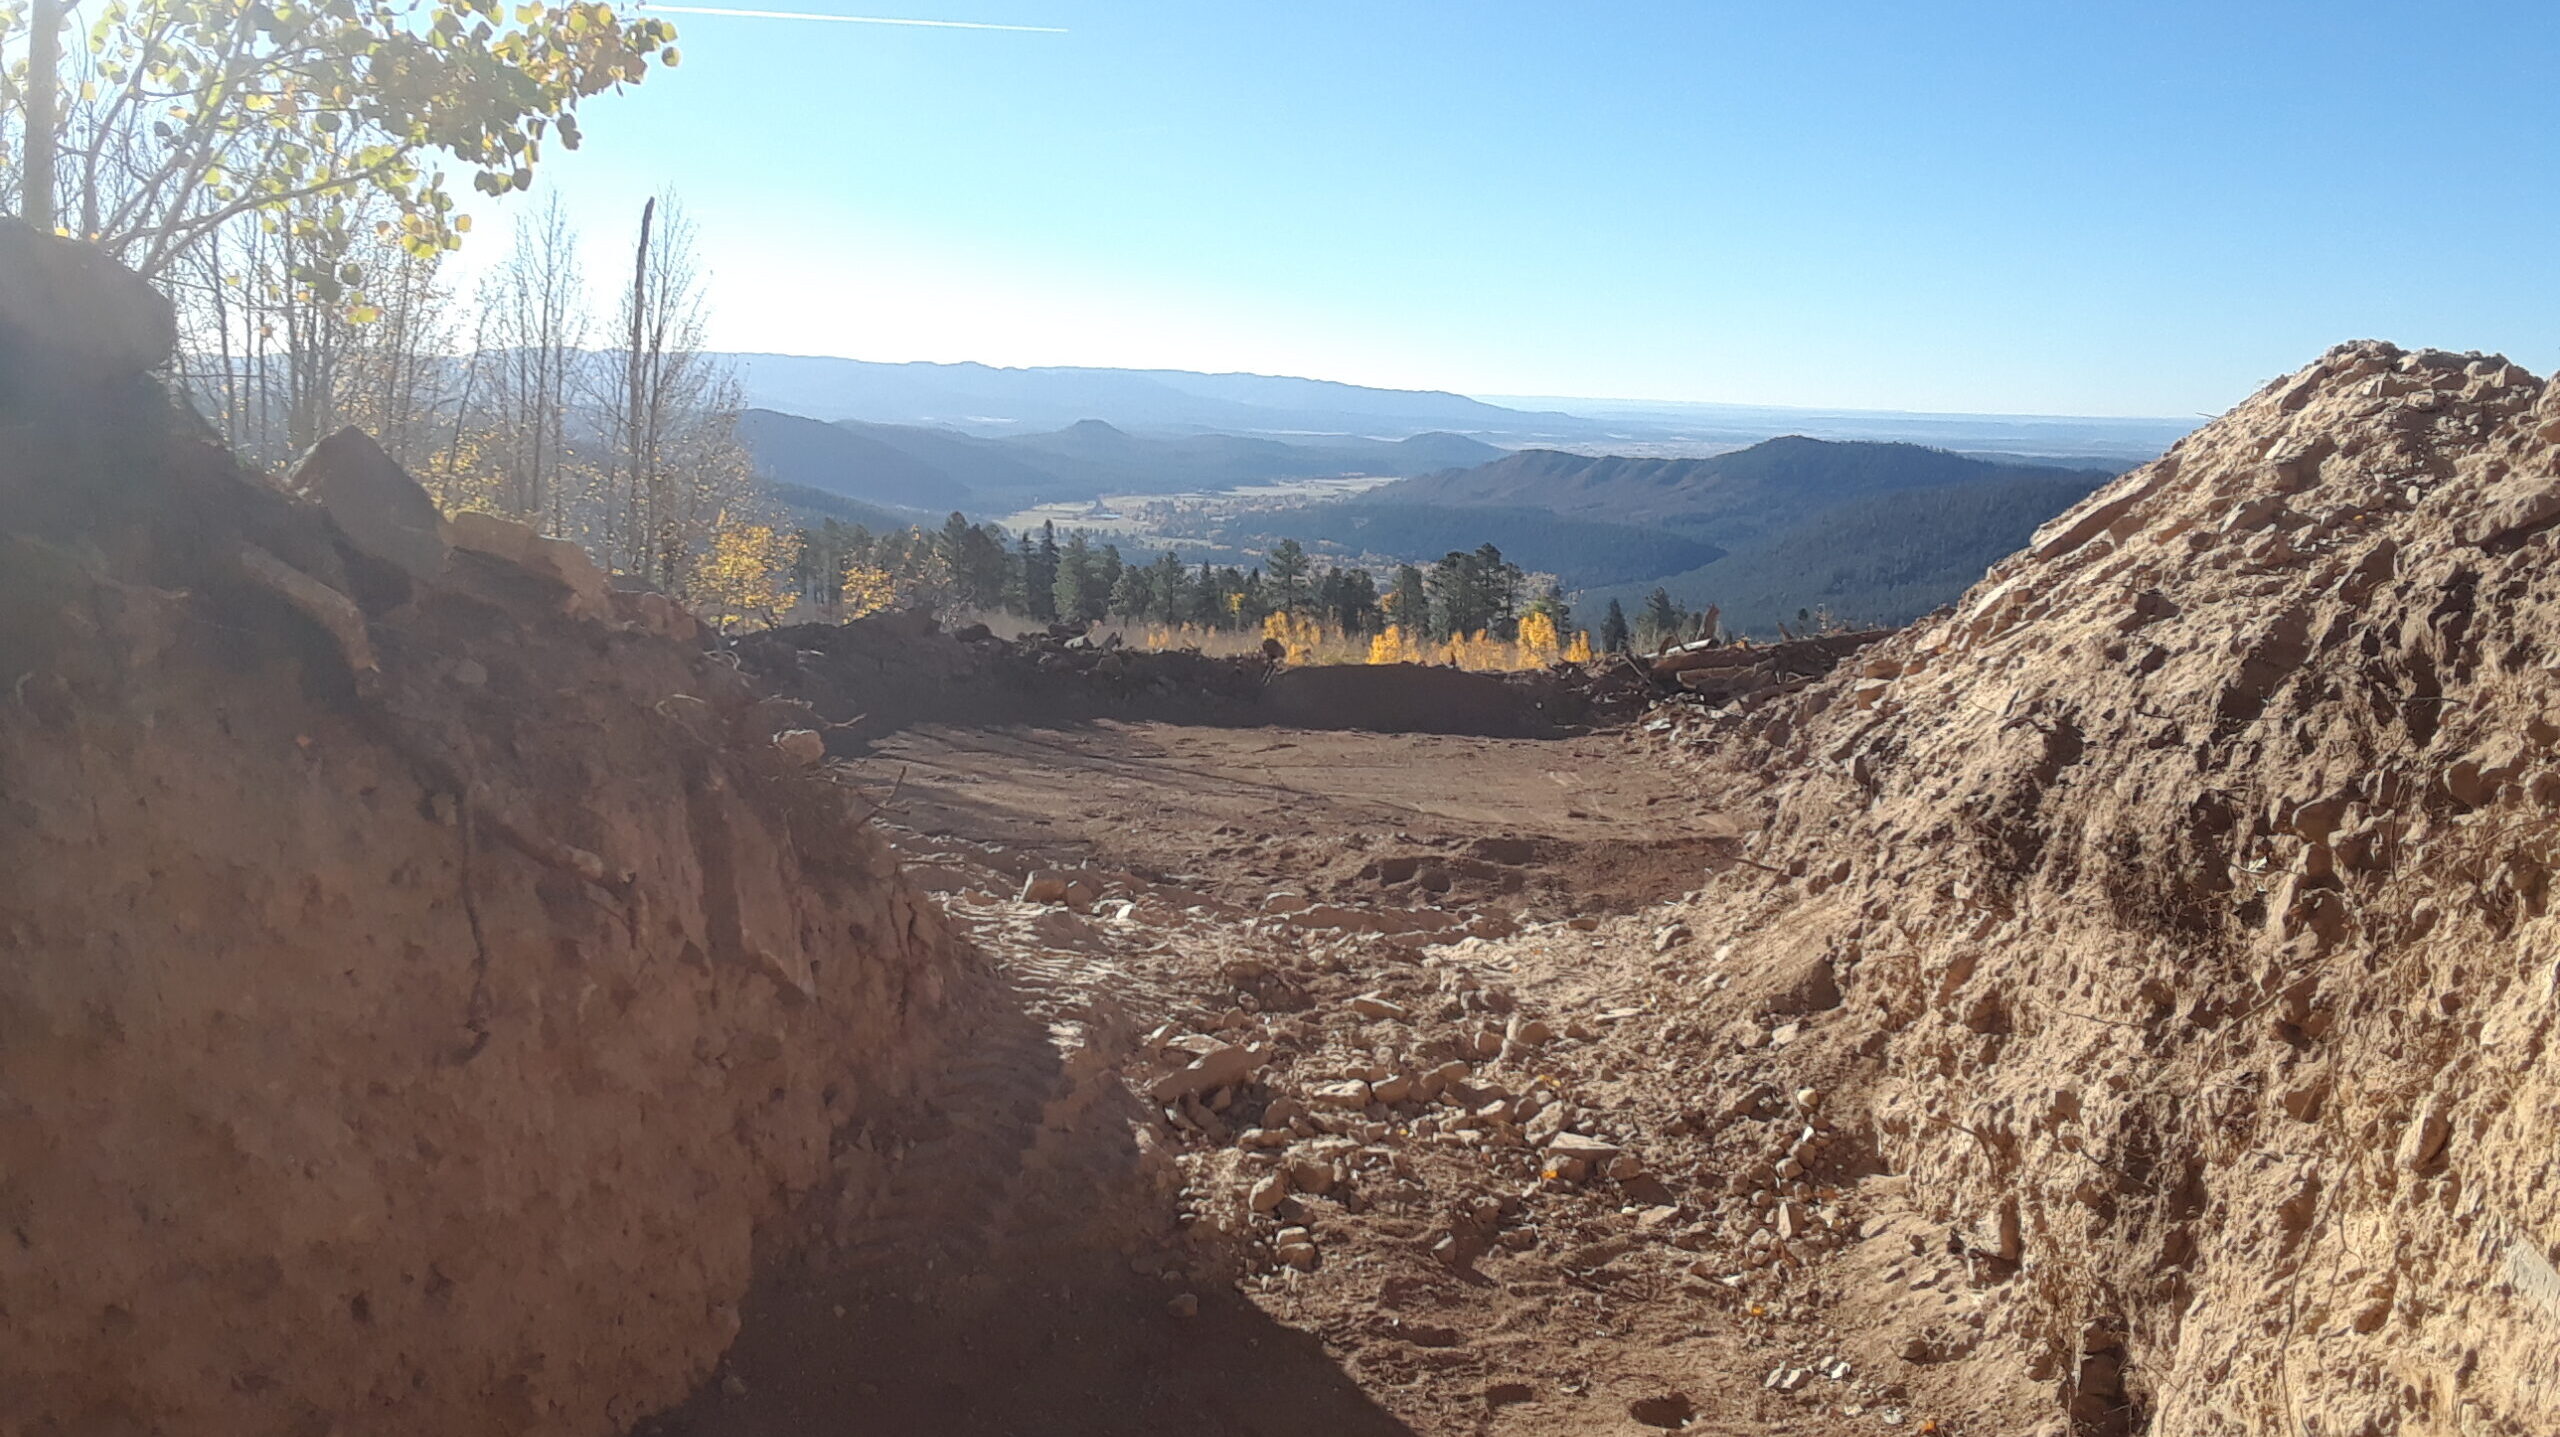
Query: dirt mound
2187	887
1408	698
426	972
874	676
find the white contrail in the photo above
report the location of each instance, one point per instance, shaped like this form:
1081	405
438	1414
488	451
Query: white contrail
845	19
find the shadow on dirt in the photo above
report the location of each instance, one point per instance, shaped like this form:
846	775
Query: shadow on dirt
1078	1346
1000	1260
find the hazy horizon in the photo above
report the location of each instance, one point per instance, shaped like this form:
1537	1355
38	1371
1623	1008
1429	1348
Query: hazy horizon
1528	402
2078	211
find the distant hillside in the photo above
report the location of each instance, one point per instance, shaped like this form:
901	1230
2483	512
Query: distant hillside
985	399
1874	532
943	469
1733	499
1001	476
1885	559
2117	443
810	506
1580	552
791	450
1107	458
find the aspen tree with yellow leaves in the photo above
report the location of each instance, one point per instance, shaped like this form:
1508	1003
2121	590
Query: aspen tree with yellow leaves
744	574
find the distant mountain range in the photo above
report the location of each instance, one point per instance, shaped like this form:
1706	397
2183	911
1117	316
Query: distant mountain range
1877	533
1763	511
1738	497
983	399
1664	427
988	401
939	470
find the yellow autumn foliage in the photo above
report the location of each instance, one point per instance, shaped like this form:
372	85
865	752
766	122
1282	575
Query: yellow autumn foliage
867	590
1308	641
745	577
1539	643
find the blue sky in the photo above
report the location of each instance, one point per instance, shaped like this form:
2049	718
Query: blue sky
2084	208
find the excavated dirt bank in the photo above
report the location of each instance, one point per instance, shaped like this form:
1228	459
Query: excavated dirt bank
2189	890
875	676
441	995
422	975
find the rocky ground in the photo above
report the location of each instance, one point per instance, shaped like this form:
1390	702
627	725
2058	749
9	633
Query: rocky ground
2118	1003
444	993
1413	1066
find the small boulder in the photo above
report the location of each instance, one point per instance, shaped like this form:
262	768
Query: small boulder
1576	1145
558	560
1220	1065
1371	1005
69	312
374	502
804	747
1311	1175
1791	1221
2422	1147
1350	1094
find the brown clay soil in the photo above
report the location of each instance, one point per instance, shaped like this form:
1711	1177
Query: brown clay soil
1491	923
439	993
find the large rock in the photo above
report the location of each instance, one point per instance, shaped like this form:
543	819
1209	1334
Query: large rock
68	312
558	560
374	502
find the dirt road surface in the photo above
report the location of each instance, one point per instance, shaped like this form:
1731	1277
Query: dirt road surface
1352	1083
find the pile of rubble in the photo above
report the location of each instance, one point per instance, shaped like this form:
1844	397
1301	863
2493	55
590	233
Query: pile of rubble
1715	688
878	674
875	675
2190	880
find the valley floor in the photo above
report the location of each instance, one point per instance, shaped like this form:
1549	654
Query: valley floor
1479	1136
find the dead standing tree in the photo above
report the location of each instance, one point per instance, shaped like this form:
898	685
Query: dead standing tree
676	471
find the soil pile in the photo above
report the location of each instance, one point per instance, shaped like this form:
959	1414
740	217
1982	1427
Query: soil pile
425	971
874	676
2187	888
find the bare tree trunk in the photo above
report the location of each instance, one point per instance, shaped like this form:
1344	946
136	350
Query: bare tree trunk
44	65
636	389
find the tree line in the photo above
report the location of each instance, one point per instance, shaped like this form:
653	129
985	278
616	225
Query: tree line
847	569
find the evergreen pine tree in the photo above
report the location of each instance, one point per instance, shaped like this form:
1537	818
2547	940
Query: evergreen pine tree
1208	600
1169	589
1659	625
977	561
1286	581
1132	595
1040	575
1102	578
1613	629
1409	605
1017	580
1074	575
